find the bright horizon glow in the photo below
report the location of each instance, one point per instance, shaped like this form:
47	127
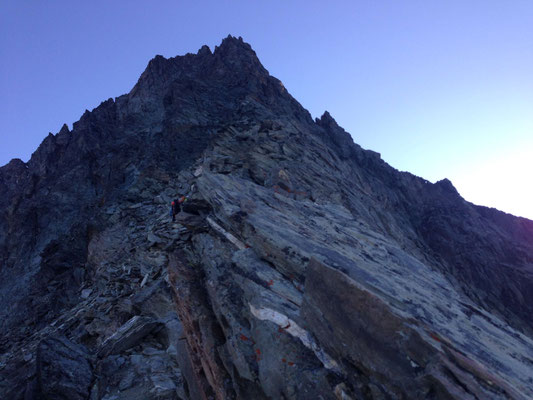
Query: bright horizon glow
495	178
440	89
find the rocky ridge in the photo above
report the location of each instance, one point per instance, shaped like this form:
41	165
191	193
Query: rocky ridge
302	266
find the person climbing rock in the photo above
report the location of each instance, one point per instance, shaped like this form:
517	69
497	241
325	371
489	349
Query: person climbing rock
175	206
172	207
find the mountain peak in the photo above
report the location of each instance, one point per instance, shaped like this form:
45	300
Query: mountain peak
232	57
233	42
236	48
283	218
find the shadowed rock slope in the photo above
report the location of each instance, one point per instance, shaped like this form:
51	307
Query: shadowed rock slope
301	267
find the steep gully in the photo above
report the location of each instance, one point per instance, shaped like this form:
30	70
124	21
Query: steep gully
303	266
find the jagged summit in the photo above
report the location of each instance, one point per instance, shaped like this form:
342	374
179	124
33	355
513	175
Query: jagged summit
233	55
233	43
301	266
233	48
229	79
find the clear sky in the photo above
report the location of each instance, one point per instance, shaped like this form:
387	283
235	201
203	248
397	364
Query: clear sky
439	88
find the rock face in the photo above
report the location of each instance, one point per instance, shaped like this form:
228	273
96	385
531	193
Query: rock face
301	267
63	370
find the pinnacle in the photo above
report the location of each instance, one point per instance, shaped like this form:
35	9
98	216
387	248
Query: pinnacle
64	129
204	50
326	120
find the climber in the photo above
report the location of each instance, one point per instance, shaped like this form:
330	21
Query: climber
172	215
175	207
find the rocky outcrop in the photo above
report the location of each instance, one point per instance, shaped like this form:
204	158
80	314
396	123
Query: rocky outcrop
301	266
63	370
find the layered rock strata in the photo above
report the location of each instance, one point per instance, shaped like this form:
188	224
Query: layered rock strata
301	267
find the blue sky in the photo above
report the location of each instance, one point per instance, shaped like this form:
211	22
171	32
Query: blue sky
439	88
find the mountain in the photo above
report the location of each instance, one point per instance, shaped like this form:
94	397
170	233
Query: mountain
301	267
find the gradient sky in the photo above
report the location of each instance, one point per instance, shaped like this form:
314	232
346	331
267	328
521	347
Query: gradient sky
439	88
